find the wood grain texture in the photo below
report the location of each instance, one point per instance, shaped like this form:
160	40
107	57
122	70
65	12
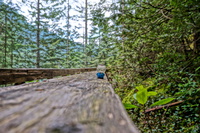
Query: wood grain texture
73	104
18	76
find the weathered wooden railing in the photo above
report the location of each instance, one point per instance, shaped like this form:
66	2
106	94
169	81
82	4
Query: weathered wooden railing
78	103
17	76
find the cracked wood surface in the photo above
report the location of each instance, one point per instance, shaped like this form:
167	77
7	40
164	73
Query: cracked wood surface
73	104
20	75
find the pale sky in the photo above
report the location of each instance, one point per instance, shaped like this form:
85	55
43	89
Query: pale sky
25	9
81	1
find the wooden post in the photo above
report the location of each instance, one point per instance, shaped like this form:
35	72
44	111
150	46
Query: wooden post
18	76
79	103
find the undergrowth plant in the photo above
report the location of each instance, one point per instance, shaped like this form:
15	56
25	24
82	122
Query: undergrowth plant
151	93
139	100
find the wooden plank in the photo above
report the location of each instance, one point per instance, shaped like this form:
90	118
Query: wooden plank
17	76
72	104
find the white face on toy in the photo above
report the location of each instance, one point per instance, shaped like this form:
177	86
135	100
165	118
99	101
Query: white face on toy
101	68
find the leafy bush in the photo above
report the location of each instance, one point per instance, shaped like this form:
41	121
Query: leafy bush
157	91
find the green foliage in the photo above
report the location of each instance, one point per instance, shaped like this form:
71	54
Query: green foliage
58	47
157	42
162	102
152	93
173	117
141	96
129	106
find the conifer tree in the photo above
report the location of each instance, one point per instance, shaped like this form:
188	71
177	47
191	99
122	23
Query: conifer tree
12	27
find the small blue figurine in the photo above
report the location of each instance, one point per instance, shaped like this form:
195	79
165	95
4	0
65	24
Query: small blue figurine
101	69
100	75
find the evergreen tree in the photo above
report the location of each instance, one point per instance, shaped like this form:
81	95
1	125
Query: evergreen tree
12	27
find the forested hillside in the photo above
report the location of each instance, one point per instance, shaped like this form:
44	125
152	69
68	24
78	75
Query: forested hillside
151	47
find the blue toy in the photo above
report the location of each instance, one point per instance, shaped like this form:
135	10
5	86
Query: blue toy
100	75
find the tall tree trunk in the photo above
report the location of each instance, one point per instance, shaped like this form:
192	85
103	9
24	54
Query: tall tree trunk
5	43
38	35
86	35
68	46
11	54
123	25
122	31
